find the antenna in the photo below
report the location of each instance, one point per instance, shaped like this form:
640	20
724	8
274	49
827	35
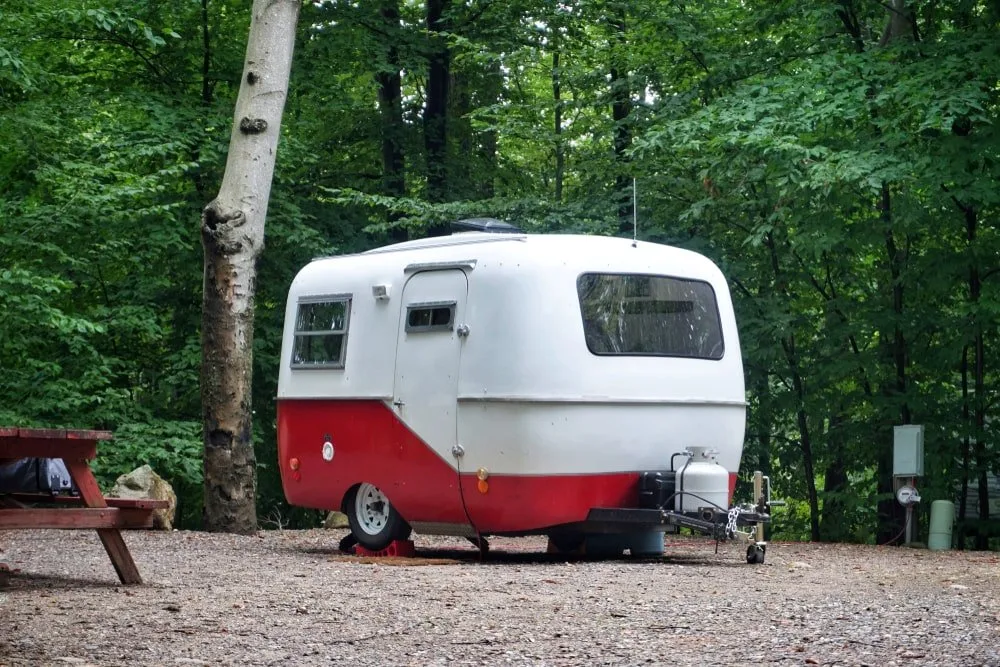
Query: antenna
635	213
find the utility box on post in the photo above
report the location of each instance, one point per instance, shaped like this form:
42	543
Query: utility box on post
908	451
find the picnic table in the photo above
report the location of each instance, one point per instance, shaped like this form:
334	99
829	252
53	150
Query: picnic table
90	509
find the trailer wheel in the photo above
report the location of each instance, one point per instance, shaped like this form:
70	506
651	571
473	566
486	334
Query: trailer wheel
374	521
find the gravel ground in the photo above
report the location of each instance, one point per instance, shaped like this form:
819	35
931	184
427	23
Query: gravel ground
290	598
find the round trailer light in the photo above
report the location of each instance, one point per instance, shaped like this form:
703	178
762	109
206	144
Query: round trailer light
483	474
483	486
327	451
293	463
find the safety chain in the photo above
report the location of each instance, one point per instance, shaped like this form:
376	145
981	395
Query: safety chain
733	515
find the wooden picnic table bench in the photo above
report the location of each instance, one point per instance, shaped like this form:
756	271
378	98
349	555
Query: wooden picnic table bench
88	510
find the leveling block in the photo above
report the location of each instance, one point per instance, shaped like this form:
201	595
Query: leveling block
397	548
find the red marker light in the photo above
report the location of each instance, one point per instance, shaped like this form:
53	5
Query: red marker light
293	463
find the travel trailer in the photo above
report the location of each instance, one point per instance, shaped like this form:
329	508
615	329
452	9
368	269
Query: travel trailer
493	382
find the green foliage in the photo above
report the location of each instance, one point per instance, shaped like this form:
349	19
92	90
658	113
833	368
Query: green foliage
846	186
171	448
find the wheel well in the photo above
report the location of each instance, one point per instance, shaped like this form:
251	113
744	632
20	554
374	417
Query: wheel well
347	494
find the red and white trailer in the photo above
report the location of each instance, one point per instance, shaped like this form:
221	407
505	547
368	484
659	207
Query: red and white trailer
511	384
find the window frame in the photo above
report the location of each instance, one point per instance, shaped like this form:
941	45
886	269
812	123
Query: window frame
431	305
339	364
715	300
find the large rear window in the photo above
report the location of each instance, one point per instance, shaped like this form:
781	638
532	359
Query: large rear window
644	315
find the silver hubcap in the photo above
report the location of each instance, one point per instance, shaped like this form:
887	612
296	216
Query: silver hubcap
371	508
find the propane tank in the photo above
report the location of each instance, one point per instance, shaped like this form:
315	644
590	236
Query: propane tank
702	476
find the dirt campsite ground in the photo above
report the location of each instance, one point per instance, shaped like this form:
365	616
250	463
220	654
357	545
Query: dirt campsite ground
291	598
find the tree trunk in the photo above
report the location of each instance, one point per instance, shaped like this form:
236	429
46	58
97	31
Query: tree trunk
890	512
206	57
802	417
390	104
621	106
436	104
805	438
462	172
979	381
898	24
966	449
557	126
834	519
492	90
232	228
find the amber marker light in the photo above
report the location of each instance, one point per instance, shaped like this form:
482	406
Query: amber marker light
483	486
293	463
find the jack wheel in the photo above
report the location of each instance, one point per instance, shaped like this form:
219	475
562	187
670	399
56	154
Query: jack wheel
374	521
755	554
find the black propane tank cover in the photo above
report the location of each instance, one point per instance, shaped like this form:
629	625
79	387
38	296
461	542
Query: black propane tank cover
655	488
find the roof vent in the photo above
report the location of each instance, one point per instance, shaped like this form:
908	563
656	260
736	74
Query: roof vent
488	225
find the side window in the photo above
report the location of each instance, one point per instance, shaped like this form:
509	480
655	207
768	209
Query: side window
421	317
321	332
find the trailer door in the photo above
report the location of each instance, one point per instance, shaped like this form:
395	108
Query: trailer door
428	351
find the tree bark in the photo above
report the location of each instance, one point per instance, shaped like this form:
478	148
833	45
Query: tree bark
232	228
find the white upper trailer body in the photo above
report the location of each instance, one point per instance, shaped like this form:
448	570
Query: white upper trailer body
506	383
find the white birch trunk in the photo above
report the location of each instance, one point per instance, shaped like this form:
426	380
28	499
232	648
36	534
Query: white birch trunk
232	228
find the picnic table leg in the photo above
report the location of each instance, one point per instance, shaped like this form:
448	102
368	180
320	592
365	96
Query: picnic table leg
111	538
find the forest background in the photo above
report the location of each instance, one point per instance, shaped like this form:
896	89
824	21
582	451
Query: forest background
839	159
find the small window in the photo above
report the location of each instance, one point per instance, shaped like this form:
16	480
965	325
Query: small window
421	317
321	333
644	315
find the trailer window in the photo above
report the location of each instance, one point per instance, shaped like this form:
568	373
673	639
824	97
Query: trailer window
635	314
321	333
422	317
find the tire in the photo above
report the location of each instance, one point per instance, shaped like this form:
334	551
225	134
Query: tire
375	523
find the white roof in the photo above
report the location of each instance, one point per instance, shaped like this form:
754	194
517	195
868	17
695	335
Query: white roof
568	251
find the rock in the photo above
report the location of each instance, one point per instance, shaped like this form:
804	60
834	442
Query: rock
336	520
143	483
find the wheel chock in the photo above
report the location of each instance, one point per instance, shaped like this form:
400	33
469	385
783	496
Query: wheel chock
397	548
